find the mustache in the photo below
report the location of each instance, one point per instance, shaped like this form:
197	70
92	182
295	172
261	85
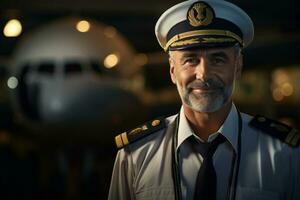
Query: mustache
205	85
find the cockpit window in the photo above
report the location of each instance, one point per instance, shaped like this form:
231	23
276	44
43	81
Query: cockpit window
72	67
97	67
46	68
101	70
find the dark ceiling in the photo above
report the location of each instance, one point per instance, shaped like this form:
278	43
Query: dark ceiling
275	21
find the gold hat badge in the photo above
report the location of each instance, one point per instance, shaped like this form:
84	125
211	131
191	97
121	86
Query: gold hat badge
200	14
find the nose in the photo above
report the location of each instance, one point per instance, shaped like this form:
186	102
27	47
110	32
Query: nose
202	69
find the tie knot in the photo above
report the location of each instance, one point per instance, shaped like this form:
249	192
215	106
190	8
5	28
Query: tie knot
208	149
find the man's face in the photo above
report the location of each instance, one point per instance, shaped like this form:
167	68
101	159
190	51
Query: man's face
205	77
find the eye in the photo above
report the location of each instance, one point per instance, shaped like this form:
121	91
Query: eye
218	60
191	61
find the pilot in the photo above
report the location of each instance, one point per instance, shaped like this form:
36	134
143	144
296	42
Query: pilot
209	150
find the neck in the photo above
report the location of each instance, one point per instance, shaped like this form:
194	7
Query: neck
205	124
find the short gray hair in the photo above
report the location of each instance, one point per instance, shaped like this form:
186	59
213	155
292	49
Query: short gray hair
237	49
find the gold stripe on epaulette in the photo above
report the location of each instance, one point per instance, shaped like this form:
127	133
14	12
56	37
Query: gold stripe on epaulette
290	136
119	141
124	138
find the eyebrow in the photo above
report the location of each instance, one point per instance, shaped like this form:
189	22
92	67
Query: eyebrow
188	54
218	54
209	54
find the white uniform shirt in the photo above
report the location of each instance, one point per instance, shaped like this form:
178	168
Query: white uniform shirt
269	169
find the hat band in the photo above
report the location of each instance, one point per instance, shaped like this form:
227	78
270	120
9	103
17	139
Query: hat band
203	32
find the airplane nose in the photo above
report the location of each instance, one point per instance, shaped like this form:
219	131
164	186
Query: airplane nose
82	99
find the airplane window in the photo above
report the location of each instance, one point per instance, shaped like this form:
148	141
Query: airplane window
97	67
72	67
46	68
100	69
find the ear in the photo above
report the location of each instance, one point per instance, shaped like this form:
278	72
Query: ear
172	70
239	67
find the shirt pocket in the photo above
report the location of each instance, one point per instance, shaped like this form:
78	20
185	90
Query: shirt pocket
244	193
160	193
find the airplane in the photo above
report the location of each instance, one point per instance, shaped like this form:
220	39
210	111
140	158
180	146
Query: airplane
74	85
74	75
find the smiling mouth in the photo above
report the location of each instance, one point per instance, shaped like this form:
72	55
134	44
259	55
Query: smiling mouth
203	91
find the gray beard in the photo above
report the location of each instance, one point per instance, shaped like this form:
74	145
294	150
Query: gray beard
208	102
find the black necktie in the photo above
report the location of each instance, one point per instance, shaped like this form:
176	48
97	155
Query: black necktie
206	183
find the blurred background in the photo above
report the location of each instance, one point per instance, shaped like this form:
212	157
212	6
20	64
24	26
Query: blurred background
74	74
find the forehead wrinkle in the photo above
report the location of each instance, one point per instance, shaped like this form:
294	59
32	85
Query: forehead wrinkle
205	53
191	53
227	53
217	54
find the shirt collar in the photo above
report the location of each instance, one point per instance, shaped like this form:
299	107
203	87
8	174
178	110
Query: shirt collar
184	129
229	128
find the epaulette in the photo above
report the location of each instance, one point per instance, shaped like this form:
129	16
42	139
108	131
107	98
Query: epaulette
140	132
277	129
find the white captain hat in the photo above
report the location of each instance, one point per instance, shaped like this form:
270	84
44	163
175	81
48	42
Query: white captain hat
204	23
